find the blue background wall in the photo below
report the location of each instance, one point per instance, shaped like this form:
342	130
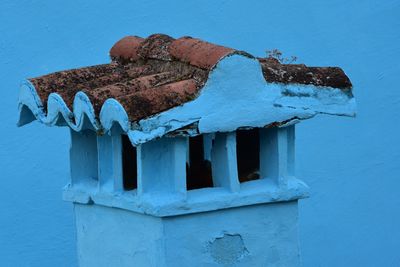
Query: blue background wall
351	165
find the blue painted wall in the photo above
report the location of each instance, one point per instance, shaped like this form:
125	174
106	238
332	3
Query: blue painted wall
352	165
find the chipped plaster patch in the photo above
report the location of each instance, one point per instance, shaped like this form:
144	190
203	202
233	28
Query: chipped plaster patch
227	249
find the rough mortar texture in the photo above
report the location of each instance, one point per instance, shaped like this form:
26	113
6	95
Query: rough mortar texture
228	249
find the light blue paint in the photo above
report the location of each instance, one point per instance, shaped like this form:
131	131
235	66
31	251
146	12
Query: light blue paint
105	159
277	154
125	238
84	151
57	111
274	245
117	173
223	162
207	145
227	249
206	199
351	165
161	176
162	168
122	238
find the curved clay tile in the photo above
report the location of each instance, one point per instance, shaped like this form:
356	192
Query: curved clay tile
152	101
156	46
126	48
120	89
159	72
274	71
67	83
197	52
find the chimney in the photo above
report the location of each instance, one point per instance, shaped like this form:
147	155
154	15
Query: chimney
183	152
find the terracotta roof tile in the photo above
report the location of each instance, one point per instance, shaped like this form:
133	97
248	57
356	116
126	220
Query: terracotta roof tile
156	46
197	52
150	75
127	48
142	103
274	71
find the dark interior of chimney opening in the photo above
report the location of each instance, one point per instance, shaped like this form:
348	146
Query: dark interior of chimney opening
198	169
129	164
248	154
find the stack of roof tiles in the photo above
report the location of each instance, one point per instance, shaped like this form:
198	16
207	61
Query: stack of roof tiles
148	76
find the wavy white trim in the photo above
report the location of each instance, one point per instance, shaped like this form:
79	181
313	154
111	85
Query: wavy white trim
58	113
113	112
235	95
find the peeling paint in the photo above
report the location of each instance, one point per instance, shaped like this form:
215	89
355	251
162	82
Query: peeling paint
227	249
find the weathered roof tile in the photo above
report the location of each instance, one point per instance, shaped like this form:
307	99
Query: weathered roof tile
139	104
148	76
197	52
127	48
156	46
274	71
